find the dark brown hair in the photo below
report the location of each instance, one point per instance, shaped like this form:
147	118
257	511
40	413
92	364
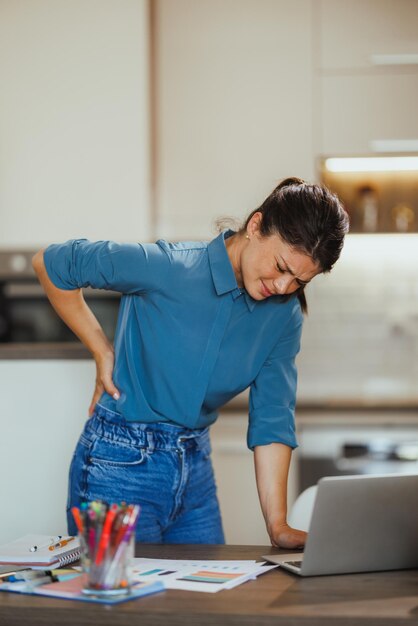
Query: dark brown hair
310	218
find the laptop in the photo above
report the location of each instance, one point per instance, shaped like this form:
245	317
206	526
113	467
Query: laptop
359	524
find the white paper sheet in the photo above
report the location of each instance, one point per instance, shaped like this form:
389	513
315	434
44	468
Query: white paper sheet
196	575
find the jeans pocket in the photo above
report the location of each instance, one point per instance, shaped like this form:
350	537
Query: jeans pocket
115	453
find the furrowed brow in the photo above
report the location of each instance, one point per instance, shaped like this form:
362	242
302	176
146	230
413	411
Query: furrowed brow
302	282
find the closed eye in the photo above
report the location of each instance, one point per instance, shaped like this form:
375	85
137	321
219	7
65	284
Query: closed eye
301	283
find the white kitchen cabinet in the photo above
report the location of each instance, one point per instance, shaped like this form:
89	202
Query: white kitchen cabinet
74	124
363	34
44	405
367	76
233	82
237	491
358	110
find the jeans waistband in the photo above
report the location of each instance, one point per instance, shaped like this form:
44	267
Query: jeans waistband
159	435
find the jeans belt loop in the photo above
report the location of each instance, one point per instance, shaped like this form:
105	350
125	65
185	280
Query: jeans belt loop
150	441
200	439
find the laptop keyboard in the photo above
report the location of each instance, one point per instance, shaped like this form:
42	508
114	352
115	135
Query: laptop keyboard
295	563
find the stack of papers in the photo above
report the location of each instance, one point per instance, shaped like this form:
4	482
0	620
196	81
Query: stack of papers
193	575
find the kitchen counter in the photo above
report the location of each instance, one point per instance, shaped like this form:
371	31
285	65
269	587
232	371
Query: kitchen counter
34	351
333	404
377	416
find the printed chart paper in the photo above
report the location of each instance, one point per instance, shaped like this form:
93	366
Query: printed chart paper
194	575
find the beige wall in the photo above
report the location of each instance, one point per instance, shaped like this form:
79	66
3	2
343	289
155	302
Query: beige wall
74	157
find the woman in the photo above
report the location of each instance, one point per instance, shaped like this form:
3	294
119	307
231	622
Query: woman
198	324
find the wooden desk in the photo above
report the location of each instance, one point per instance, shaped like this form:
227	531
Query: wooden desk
275	598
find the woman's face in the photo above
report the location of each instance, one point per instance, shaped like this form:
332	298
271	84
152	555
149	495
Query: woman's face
270	266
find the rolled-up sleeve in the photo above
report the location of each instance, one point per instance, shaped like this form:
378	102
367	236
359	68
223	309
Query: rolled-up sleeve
127	268
273	392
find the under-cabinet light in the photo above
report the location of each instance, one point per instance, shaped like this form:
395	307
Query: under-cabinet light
372	164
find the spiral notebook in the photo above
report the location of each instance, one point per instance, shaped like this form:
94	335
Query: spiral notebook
41	550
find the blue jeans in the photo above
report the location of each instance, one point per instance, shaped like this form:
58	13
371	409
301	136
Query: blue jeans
164	468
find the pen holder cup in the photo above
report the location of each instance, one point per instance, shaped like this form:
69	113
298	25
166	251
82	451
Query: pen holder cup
107	535
111	574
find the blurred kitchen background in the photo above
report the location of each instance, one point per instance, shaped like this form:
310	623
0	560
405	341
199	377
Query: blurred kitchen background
139	119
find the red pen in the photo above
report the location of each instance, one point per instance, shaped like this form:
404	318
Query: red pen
105	538
123	526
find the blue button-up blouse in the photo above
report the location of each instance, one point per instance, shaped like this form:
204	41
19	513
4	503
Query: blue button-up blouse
187	338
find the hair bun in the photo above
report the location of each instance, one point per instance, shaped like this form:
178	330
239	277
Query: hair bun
288	182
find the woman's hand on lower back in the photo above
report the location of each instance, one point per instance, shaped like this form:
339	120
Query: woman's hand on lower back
284	536
104	380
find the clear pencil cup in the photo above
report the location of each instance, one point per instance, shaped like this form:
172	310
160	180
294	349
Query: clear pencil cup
107	542
111	574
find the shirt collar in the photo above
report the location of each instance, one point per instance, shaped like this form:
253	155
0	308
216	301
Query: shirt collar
222	272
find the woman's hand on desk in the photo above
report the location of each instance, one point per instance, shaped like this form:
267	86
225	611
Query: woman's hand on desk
104	382
283	536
